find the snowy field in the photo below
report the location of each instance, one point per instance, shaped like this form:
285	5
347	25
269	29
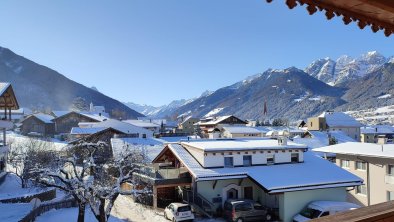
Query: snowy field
70	214
14	212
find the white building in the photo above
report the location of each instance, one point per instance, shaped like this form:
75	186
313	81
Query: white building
144	124
240	132
275	173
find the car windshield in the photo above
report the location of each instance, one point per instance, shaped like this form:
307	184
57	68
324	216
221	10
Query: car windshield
310	213
184	208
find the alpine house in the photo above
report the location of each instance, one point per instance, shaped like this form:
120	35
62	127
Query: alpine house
277	173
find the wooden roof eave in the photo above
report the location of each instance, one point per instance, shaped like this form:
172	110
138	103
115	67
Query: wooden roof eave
379	16
8	99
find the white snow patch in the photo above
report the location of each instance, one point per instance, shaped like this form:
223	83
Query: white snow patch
384	96
214	112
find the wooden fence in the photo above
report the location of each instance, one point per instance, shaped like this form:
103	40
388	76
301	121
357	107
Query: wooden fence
44	196
47	207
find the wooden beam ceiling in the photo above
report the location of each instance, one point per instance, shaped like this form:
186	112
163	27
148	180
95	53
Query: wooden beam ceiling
377	14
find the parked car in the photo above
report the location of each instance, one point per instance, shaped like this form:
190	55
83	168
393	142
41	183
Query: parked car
318	209
241	210
178	212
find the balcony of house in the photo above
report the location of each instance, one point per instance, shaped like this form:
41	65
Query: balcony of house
164	175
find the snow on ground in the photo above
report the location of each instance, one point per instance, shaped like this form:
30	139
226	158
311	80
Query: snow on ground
12	188
125	208
14	212
70	214
214	112
384	96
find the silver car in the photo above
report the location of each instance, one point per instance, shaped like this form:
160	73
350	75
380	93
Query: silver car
241	210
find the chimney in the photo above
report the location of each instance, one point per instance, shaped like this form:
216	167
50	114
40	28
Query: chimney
282	141
382	140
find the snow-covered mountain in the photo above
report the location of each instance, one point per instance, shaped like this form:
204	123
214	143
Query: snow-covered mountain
345	67
165	110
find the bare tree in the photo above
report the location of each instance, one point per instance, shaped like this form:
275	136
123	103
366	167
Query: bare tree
27	156
92	182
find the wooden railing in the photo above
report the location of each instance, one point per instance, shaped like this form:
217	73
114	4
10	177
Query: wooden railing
47	207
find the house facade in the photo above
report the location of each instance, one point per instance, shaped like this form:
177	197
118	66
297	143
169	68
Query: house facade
39	125
371	162
187	125
335	121
64	123
208	172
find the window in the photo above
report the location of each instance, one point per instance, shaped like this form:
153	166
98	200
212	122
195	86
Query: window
390	195
247	160
345	163
294	158
228	161
361	165
362	189
390	170
270	159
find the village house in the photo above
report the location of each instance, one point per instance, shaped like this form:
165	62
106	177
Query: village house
335	121
240	132
97	110
213	125
187	125
373	163
276	173
66	120
155	128
8	102
370	134
125	129
38	125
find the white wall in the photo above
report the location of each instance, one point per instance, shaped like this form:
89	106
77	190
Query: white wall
258	158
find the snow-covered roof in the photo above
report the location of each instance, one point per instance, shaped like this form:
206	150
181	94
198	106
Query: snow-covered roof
44	117
60	113
214	121
3	87
241	129
240	144
275	178
152	146
141	123
339	119
86	130
121	126
360	149
379	129
53	144
94	116
341	137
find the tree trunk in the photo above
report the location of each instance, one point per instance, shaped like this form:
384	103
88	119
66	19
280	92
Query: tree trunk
103	216
81	212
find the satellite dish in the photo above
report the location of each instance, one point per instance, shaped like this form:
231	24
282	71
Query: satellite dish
35	202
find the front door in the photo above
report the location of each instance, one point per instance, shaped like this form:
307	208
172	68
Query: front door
232	194
248	193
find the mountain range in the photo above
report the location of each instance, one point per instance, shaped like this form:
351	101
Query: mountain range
342	84
40	88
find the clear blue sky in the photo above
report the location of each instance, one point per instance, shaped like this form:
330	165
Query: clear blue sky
155	51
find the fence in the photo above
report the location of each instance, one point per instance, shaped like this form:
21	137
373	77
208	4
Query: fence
47	207
44	196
